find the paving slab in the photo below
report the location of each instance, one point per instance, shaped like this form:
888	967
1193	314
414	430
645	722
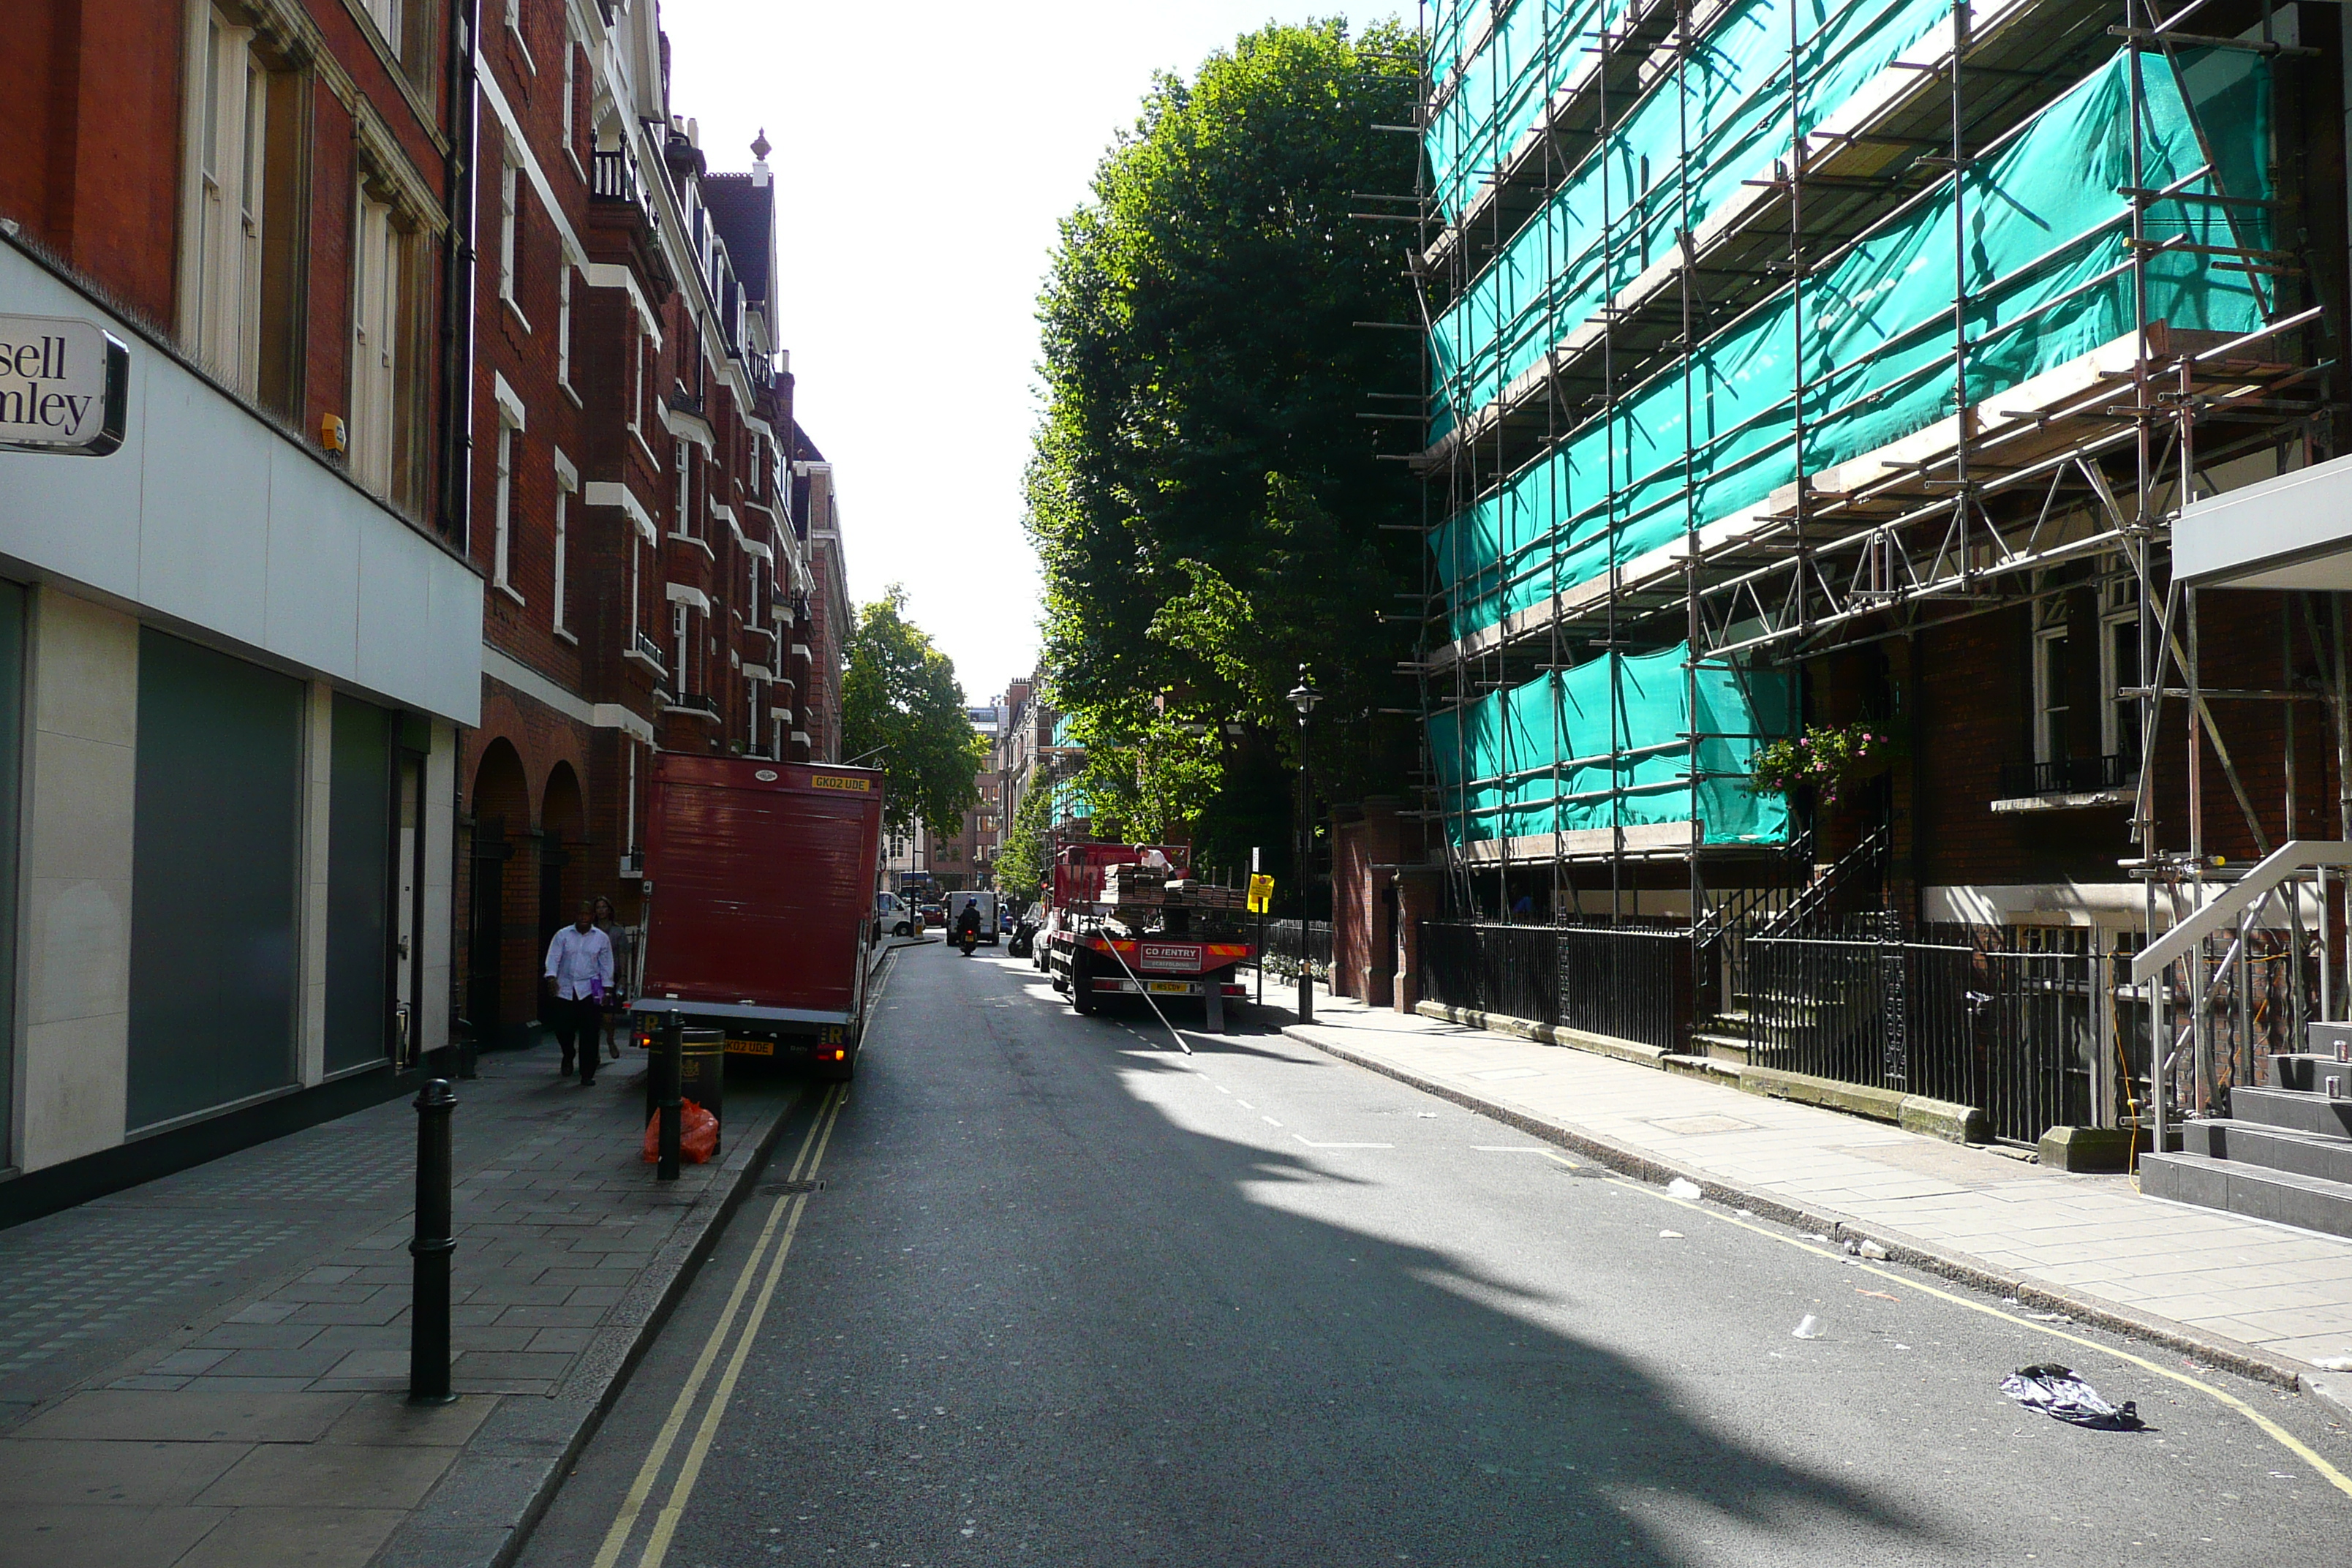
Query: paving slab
2260	1298
210	1369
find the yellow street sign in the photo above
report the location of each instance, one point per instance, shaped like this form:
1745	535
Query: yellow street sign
1261	893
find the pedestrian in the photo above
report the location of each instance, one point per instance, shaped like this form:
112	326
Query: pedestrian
624	969
580	967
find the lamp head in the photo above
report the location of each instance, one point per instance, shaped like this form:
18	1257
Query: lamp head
1304	697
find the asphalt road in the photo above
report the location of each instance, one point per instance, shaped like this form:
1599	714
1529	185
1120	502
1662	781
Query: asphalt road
1068	1297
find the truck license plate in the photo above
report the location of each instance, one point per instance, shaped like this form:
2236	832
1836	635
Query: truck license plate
751	1048
1168	987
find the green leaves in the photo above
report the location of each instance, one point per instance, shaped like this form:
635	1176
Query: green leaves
1203	497
900	701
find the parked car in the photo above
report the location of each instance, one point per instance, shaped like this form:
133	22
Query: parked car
935	915
893	915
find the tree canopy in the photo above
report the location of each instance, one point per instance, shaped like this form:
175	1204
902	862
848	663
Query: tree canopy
1204	496
901	702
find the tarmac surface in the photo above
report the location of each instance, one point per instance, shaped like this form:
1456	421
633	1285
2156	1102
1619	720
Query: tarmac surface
1041	1288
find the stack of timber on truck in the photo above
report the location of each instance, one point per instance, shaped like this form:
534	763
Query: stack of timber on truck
1130	921
760	904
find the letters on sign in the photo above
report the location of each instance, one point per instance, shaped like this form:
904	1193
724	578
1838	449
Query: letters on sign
1169	956
65	387
834	781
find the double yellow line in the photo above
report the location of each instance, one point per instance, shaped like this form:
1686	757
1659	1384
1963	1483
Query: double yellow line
776	1244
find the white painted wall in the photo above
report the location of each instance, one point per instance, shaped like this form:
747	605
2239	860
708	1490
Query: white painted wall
80	775
210	516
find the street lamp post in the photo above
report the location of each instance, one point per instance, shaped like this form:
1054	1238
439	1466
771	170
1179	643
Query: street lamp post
1304	697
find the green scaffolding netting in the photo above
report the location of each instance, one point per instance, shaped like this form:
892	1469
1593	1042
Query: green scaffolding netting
1605	746
1619	210
1493	86
2047	278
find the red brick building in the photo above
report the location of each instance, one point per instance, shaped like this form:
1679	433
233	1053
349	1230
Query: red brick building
238	627
642	498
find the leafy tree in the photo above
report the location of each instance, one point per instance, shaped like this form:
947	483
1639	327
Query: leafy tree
1028	852
901	702
1204	498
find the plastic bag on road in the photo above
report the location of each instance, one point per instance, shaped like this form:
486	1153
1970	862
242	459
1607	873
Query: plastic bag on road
698	1136
1683	1187
2058	1393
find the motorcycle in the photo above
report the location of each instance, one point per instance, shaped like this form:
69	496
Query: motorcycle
967	939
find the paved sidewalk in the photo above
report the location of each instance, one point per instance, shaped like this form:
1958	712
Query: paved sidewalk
2260	1298
209	1369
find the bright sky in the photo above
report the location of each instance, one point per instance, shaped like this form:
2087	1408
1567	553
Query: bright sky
925	150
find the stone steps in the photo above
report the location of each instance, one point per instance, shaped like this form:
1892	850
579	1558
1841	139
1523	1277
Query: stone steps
2236	1187
2282	1155
2270	1148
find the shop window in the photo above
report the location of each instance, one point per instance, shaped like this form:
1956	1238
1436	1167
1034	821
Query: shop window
12	718
360	870
215	831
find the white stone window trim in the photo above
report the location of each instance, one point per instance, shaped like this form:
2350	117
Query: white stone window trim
513	421
567	485
514	29
509	233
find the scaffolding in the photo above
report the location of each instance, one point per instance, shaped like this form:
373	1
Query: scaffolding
1762	329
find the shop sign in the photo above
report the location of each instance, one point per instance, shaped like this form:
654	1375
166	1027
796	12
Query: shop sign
65	387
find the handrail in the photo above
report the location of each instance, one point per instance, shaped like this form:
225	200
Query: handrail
2296	855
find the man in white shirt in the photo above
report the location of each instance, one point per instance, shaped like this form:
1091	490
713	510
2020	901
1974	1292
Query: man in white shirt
580	970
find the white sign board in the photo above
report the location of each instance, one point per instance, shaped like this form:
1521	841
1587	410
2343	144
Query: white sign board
65	387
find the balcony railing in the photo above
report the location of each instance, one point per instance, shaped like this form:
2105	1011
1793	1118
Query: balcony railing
2069	775
701	702
650	651
614	177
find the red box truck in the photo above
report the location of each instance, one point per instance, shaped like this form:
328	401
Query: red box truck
760	882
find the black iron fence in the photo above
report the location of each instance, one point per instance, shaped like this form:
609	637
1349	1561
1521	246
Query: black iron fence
1285	939
1630	983
2020	1022
2017	1021
1510	969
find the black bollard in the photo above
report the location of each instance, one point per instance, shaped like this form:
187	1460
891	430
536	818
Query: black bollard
669	1098
428	1312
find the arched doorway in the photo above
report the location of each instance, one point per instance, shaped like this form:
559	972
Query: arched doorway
500	970
563	827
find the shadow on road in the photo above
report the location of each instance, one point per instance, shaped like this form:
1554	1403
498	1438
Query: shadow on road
1207	1372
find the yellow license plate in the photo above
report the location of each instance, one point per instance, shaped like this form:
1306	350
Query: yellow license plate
1168	987
751	1048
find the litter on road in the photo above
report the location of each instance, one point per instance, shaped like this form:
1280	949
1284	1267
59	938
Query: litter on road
1808	1328
1683	1187
2058	1393
1673	1235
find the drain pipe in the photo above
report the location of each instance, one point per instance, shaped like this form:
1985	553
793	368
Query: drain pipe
457	280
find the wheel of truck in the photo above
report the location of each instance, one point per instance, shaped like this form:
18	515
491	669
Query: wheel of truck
902	929
1082	993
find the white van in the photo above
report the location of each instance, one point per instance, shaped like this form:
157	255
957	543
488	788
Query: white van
892	914
985	902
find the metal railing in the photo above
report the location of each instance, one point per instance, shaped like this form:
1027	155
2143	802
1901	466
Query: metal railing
2017	1021
1510	969
2067	775
1284	940
613	176
1629	982
651	650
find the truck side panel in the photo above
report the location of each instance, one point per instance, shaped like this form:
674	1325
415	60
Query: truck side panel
764	888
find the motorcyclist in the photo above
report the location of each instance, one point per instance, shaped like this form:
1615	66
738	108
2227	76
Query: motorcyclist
966	928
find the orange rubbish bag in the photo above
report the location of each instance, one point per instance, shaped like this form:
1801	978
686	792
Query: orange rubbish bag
698	1136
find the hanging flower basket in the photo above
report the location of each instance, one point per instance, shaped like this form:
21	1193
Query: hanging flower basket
1827	757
